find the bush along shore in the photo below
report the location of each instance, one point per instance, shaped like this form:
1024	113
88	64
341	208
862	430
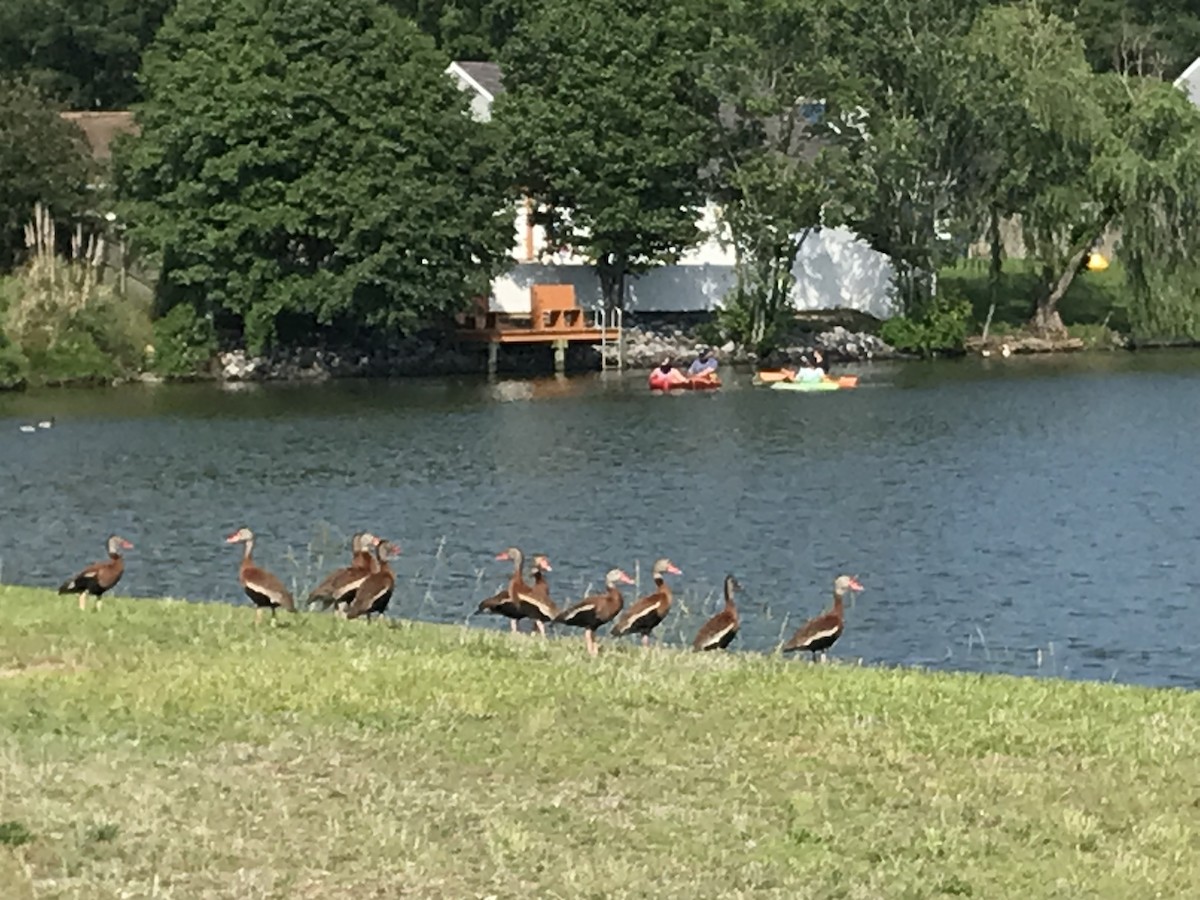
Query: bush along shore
174	749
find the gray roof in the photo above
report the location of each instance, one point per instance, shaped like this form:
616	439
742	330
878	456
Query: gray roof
1189	81
486	74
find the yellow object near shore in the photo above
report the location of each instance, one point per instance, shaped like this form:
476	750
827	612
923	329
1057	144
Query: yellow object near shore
1096	262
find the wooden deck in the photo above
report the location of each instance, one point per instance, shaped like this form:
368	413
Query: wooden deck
554	319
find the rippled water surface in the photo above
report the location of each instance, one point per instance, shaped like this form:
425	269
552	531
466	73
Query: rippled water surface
1029	516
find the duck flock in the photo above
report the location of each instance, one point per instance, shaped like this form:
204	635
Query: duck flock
363	589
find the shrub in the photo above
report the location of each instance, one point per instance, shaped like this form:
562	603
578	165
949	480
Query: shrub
184	342
941	327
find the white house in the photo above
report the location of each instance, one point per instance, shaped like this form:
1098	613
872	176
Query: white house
834	268
1189	81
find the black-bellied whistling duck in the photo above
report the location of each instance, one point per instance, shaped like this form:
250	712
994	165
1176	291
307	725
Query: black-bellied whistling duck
339	586
818	634
645	615
717	632
99	577
532	601
597	610
261	586
375	592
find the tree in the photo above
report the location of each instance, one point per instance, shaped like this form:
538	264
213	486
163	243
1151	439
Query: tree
608	129
307	163
1034	104
1151	175
467	29
42	159
908	73
775	176
83	53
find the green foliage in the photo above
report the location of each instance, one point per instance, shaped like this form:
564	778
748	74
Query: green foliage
43	159
608	128
467	29
81	52
773	173
184	342
941	326
310	161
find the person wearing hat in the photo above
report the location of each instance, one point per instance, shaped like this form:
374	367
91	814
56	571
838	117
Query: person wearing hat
704	366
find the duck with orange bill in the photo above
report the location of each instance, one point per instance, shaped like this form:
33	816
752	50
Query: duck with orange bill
264	589
502	603
598	610
820	633
340	585
520	599
375	592
100	577
647	614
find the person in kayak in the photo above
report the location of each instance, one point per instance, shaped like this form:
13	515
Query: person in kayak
805	371
820	362
704	366
669	374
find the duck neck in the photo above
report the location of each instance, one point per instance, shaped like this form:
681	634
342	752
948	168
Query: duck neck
839	605
518	561
248	551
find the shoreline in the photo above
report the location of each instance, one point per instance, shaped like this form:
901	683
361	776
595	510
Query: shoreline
678	337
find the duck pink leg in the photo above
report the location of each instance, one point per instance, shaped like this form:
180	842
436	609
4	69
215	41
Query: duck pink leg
645	640
589	638
541	627
512	623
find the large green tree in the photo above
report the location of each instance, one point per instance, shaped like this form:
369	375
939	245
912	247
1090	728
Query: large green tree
42	159
608	129
907	76
776	175
84	53
1033	102
307	162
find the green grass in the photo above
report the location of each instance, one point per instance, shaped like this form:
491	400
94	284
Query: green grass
1093	298
174	750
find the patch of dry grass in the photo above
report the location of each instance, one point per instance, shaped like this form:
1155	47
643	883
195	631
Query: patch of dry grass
173	750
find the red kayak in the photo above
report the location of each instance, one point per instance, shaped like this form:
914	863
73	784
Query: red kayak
660	382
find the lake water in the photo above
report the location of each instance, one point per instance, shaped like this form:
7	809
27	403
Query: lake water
1032	516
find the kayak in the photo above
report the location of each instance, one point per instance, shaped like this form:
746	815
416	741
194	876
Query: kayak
805	386
777	378
659	382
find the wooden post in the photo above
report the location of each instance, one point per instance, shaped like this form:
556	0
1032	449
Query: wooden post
560	356
493	354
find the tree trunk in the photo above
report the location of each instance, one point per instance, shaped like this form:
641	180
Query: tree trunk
1046	321
997	261
613	272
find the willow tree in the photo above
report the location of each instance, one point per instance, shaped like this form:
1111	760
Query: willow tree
1032	103
1154	170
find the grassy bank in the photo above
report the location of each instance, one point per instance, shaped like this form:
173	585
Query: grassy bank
1094	298
173	750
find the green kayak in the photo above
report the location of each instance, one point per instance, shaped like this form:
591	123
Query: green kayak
804	386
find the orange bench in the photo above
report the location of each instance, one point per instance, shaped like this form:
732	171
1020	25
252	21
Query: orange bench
553	308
